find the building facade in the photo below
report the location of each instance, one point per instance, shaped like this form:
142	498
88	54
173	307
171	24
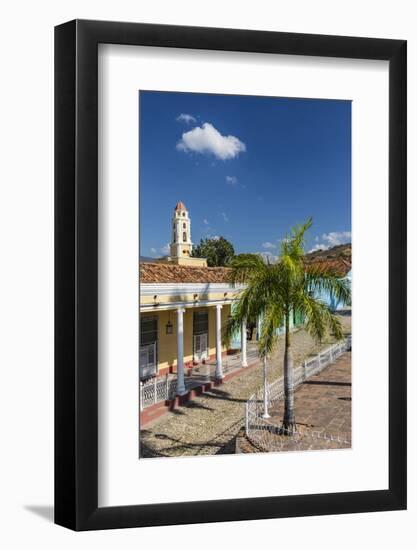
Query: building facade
184	307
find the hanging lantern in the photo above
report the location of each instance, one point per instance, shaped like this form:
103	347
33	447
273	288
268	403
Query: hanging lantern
169	326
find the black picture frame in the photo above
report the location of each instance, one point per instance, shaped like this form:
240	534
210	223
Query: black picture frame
76	272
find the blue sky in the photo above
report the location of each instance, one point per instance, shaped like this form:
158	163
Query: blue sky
247	168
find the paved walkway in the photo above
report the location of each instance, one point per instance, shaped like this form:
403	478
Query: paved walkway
323	405
209	424
324	401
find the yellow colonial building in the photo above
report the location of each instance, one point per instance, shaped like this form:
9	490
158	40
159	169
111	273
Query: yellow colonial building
184	306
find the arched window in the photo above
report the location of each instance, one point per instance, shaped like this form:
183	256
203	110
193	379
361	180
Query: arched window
183	214
184	225
184	236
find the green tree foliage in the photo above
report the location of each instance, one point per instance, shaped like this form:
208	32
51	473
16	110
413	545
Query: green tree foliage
219	252
274	291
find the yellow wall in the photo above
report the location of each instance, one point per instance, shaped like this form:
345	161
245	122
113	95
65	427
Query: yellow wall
167	343
146	300
185	260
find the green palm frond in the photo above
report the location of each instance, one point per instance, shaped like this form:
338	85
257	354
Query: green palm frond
273	290
273	320
320	320
293	244
328	280
230	329
335	326
245	267
290	268
262	281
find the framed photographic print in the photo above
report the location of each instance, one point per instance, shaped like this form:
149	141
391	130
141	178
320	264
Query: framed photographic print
230	275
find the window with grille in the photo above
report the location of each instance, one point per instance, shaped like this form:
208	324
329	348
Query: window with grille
200	322
200	335
148	330
148	346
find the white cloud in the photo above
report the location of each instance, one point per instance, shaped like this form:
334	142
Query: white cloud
153	250
207	140
206	222
224	216
184	117
165	249
337	237
214	237
331	239
231	180
268	245
318	246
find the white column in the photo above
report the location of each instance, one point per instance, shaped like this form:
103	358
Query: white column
180	352
259	327
219	370
266	414
243	343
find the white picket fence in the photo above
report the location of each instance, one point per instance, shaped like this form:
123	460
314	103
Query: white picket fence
156	390
261	431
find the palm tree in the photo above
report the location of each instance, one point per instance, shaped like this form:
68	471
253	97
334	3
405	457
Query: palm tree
274	290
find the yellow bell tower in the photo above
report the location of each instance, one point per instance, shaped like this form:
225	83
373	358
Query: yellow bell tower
181	245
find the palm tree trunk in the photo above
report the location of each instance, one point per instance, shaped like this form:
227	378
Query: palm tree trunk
289	417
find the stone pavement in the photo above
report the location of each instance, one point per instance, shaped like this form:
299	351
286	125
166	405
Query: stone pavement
323	405
325	400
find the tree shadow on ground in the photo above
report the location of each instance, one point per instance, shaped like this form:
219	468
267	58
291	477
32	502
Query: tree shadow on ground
197	405
177	411
177	447
220	394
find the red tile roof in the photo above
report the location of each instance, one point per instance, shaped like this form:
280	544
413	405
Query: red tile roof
180	206
340	266
172	273
338	259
